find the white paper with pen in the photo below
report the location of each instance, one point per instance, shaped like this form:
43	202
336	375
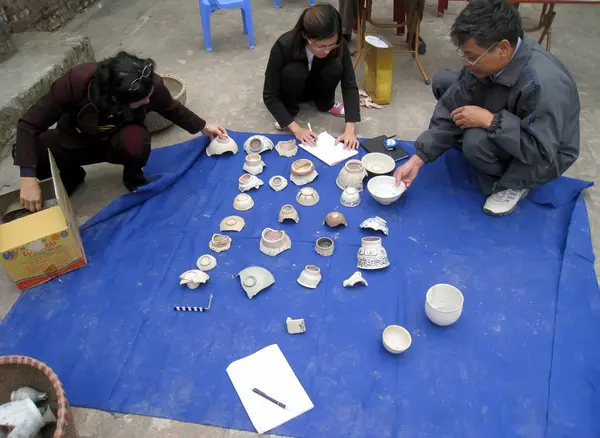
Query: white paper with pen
269	371
328	151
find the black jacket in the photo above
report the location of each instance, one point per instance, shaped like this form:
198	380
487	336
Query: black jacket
282	53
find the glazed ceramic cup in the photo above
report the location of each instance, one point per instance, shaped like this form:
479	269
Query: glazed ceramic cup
443	304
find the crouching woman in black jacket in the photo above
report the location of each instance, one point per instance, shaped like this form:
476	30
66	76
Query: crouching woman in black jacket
307	64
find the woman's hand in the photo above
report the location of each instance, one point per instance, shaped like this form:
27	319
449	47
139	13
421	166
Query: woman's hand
408	172
31	194
348	138
305	136
214	131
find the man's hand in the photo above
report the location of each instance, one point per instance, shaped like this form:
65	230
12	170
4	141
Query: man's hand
31	194
408	172
214	131
471	116
348	138
304	135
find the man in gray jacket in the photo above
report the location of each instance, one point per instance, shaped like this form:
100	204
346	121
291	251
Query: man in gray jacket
514	108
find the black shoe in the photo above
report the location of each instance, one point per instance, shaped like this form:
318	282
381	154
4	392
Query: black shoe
348	37
422	45
133	178
72	178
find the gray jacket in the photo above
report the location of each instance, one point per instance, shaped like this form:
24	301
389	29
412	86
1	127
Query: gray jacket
536	113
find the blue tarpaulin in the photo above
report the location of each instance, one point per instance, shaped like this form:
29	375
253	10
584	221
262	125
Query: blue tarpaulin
523	360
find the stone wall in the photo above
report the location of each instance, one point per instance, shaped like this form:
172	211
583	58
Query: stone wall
40	15
7	45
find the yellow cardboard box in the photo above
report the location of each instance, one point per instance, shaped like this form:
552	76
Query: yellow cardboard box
379	69
44	245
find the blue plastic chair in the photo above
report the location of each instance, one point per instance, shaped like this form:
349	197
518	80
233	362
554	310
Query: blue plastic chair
312	3
207	7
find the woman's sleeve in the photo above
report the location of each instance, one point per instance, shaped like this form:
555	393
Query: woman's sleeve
272	87
349	88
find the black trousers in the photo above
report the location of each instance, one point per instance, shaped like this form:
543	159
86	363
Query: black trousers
300	85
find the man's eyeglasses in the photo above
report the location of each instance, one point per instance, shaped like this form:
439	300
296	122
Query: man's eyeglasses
463	56
137	83
322	48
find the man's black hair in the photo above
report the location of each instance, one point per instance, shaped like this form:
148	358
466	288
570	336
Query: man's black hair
487	22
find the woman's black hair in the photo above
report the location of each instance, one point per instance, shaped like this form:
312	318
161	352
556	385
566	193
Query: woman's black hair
113	82
317	23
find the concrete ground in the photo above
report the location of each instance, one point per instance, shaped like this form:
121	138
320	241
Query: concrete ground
225	87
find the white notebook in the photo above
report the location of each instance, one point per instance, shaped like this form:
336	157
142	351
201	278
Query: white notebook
328	151
269	371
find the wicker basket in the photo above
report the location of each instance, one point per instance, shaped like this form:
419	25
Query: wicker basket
154	121
19	371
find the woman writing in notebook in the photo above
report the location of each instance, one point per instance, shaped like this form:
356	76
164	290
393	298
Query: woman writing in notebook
307	64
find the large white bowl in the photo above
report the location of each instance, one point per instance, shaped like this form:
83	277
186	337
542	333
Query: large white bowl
378	163
396	339
444	304
384	189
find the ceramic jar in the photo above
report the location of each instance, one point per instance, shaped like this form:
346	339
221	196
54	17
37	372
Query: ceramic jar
254	164
335	219
278	183
257	144
273	242
372	254
243	202
232	223
303	172
254	279
288	212
324	246
310	277
350	197
219	243
249	182
287	148
307	197
376	223
351	175
220	145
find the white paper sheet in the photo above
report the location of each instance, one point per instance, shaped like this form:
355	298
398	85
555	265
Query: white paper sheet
328	151
269	371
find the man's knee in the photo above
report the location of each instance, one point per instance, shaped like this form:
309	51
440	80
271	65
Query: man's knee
134	143
442	81
476	146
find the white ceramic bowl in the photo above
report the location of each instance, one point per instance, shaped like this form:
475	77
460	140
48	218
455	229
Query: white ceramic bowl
378	163
384	189
443	304
396	339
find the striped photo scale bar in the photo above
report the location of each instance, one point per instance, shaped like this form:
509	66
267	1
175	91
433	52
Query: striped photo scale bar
194	308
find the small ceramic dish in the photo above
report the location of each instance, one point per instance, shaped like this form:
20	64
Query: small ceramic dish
254	164
232	223
243	202
351	175
324	246
384	189
396	339
303	172
350	197
257	144
221	144
255	279
378	163
273	242
287	148
248	182
310	277
335	219
307	197
206	262
444	304
376	223
219	243
278	183
288	212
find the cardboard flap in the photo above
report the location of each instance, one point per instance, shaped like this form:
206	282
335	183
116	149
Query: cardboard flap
61	193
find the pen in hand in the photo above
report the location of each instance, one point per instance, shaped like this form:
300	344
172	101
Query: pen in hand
271	399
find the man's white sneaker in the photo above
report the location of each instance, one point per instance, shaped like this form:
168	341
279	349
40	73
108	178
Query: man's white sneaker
504	202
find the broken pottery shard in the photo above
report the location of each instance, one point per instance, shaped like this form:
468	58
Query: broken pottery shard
255	279
295	326
355	279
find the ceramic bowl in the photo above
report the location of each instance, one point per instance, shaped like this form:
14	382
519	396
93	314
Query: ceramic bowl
324	246
243	202
443	304
257	144
206	262
254	164
287	148
273	242
378	163
396	339
310	277
302	167
278	183
221	144
350	197
255	279
335	219
219	243
232	223
248	182
288	212
307	197
384	189
351	175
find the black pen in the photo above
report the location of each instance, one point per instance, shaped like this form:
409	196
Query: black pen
271	399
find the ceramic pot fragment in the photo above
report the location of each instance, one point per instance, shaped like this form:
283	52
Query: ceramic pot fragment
288	212
255	279
310	277
232	223
206	262
295	326
24	416
257	144
287	148
350	197
221	144
324	246
376	223
351	175
303	172
243	202
278	183
254	164
248	182
219	243
355	279
307	197
335	219
273	242
193	278
372	254
28	393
